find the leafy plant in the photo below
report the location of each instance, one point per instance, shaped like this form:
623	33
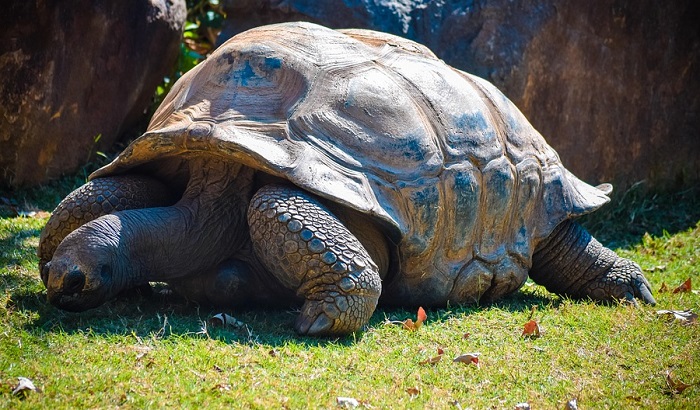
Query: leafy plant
204	21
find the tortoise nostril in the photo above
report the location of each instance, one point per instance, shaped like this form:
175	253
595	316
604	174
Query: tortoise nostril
74	281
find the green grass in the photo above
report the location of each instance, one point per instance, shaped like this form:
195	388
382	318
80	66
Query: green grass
159	351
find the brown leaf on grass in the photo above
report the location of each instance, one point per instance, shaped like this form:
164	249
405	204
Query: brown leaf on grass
432	360
675	386
468	358
684	287
435	359
663	288
686	317
421	317
409	325
531	329
413	391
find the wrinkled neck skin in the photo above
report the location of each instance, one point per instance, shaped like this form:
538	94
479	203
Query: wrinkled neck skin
205	227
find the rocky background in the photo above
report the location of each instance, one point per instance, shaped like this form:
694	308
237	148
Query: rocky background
75	76
614	85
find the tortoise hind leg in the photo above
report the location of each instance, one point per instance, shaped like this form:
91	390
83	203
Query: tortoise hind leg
98	197
234	282
310	251
226	285
571	262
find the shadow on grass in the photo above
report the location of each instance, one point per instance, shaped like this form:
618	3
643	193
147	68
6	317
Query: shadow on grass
623	223
165	316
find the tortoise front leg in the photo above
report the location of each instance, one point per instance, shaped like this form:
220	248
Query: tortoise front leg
310	251
571	262
98	197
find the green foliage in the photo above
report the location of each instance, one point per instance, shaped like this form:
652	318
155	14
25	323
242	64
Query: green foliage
204	20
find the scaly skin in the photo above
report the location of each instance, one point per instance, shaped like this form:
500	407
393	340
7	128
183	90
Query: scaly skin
571	262
98	197
310	251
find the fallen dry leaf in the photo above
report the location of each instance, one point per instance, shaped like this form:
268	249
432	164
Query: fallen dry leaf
23	387
675	386
663	288
409	325
684	287
224	320
435	359
421	317
686	317
531	329
413	391
468	358
432	360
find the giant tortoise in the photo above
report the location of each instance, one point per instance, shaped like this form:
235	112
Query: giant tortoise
334	169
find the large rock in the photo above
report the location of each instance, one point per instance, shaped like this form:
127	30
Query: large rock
71	71
614	85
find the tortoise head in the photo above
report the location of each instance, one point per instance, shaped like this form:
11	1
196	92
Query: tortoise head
81	274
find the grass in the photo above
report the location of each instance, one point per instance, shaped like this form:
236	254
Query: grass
160	351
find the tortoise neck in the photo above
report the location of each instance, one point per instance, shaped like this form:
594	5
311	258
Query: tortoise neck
204	228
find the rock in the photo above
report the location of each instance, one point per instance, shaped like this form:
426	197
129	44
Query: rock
613	85
73	71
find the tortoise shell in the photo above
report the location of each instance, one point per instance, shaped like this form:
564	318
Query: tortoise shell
463	184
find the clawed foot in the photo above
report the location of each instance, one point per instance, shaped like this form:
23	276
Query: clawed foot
623	281
334	316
